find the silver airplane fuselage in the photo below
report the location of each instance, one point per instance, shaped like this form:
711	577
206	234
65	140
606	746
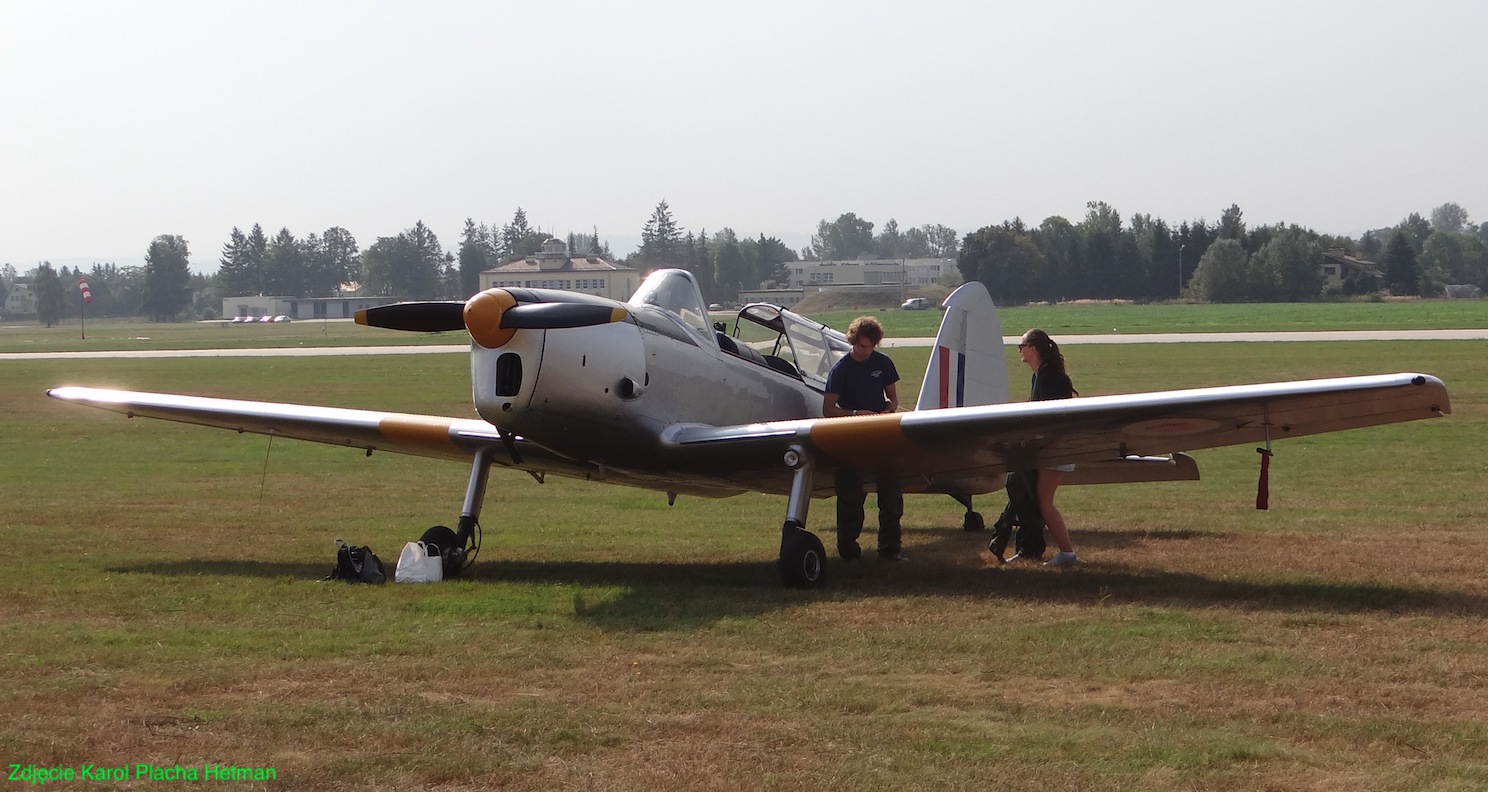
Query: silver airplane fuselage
606	393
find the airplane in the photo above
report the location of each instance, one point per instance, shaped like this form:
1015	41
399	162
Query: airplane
647	393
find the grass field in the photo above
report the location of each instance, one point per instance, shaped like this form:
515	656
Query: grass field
161	606
1206	318
1057	319
140	334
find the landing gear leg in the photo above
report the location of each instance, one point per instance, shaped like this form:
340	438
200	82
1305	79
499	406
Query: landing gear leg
802	557
973	519
467	541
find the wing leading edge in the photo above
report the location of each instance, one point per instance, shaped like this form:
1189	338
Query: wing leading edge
965	449
431	436
943	449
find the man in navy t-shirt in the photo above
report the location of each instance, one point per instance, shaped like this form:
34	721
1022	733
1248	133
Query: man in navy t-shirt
864	383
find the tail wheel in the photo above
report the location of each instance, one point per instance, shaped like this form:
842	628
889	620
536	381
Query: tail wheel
803	560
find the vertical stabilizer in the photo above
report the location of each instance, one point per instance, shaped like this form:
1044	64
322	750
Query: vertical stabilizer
968	365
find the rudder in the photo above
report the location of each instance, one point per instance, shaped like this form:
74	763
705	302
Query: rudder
968	365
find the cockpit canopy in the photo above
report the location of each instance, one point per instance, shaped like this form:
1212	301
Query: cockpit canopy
676	292
810	347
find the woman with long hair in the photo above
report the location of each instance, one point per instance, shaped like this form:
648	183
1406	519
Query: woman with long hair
1050	381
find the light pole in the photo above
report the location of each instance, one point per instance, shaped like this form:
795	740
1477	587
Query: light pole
1180	271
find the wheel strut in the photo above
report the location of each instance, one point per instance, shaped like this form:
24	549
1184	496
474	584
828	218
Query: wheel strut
466	541
802	558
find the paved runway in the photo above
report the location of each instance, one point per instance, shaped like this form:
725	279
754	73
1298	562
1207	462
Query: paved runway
1112	338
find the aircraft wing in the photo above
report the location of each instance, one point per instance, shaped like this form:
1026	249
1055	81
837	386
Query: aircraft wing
966	449
400	433
954	450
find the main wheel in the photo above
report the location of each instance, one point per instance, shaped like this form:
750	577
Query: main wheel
973	522
803	560
441	537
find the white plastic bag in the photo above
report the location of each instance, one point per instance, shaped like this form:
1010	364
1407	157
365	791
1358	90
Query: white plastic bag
416	565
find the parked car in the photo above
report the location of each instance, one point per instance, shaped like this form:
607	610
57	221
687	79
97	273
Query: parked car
281	319
240	319
915	304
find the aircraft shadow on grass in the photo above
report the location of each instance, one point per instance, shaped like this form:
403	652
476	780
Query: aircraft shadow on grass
691	595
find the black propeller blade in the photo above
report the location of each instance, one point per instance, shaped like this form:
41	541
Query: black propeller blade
551	316
419	317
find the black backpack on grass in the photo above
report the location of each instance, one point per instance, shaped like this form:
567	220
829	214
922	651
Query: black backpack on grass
357	565
1023	513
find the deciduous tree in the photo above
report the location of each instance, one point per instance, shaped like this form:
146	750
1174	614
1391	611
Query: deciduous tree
890	244
1221	275
1449	218
411	264
1288	268
333	261
847	237
1005	259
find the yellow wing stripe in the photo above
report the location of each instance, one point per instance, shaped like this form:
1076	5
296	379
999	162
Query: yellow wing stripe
418	431
864	440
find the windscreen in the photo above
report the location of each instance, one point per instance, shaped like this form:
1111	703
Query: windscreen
675	291
814	351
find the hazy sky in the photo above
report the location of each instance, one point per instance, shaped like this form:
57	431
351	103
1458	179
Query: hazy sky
123	120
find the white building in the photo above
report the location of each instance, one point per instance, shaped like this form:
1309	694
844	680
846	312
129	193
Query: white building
870	272
555	268
785	298
301	307
21	300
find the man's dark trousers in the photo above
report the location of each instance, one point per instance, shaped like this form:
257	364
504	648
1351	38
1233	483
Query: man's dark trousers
850	498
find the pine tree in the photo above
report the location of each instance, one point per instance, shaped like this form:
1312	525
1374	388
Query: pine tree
254	258
661	239
475	256
167	278
51	295
1402	276
233	277
284	266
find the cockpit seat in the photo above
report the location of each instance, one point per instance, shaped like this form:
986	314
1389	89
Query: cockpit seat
782	365
738	348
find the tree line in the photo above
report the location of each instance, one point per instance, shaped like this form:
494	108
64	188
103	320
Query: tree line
162	289
1148	259
1101	256
726	264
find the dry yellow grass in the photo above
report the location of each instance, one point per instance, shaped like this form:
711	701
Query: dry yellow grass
606	641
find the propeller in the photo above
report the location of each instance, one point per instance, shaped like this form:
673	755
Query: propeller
552	316
419	317
492	317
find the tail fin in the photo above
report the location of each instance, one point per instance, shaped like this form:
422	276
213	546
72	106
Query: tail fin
968	365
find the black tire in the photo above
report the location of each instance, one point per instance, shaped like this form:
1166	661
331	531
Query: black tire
440	536
803	560
973	522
